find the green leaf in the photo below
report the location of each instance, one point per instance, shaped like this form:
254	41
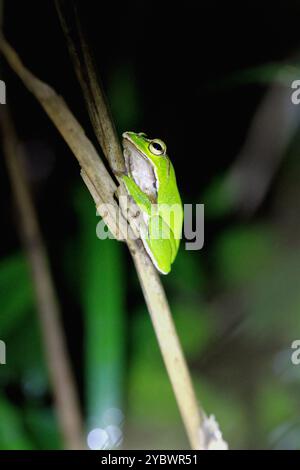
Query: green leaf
42	424
101	284
12	431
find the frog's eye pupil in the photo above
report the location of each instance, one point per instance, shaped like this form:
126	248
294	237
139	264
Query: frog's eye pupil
157	146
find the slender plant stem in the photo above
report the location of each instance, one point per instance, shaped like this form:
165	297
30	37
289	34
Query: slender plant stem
95	99
63	385
150	282
102	189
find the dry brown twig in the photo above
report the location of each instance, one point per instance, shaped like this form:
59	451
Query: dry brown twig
202	432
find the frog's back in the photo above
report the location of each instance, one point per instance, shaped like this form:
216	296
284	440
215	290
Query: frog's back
169	201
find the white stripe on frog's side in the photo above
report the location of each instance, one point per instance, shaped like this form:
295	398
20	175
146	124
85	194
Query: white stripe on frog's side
147	248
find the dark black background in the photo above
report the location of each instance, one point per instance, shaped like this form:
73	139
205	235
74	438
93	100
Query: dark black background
181	55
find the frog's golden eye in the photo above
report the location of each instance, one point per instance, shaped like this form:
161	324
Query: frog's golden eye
157	147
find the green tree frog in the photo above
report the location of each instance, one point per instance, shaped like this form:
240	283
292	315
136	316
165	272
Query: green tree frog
151	182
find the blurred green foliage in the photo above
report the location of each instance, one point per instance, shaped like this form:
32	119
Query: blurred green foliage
23	380
101	285
235	304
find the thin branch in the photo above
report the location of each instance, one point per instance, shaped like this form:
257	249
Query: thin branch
271	130
95	100
102	190
70	129
63	385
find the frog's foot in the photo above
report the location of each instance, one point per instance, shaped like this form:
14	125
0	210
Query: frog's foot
119	173
129	209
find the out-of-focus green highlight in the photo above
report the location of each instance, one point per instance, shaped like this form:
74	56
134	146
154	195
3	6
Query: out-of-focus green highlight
31	425
101	282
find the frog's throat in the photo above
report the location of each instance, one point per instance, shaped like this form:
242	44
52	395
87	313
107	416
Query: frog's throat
145	176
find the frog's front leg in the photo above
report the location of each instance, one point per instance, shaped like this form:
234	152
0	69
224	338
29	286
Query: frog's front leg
128	208
135	206
140	198
156	235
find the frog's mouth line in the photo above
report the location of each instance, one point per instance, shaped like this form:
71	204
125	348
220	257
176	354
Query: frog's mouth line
134	150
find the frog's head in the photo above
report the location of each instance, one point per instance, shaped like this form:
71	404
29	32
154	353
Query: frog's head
151	149
143	157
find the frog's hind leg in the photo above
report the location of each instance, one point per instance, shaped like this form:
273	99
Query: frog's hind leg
160	244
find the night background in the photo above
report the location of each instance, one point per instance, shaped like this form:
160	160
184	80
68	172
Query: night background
215	85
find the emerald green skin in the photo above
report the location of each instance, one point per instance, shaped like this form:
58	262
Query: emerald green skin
164	232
